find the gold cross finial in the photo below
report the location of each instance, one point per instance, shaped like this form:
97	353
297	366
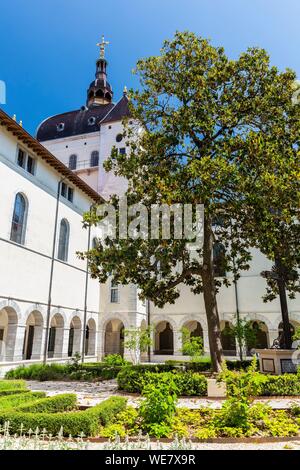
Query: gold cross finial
102	45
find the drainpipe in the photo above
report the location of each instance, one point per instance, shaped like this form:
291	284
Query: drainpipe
86	295
51	274
149	325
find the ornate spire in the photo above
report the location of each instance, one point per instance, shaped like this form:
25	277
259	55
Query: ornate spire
102	46
100	91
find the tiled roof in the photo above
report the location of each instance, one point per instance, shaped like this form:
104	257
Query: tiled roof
24	137
81	121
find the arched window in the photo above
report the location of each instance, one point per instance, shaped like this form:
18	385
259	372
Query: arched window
18	225
219	260
94	242
94	158
63	242
73	162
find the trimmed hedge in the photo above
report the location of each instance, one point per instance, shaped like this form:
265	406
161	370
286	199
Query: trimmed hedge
281	385
40	372
204	364
12	401
72	423
62	402
4	393
12	385
188	383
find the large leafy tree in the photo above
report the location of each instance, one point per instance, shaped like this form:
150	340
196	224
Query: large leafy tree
213	130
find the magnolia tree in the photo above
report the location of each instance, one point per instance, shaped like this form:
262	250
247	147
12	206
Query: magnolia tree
218	132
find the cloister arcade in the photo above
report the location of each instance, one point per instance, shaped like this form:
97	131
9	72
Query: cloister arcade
22	336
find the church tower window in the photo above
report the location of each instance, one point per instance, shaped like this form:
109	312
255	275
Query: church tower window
73	161
94	158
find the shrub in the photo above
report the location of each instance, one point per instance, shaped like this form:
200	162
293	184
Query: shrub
286	384
62	402
114	360
108	409
12	401
12	385
159	406
40	372
72	423
189	383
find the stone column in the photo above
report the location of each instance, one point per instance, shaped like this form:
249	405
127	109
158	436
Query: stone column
38	342
19	332
177	342
61	342
77	341
100	344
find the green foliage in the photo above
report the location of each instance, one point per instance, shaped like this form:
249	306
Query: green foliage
191	345
74	422
40	372
159	406
62	402
12	385
243	331
14	400
281	385
113	430
114	360
87	371
187	383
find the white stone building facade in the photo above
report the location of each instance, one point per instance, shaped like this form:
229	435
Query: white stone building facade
30	176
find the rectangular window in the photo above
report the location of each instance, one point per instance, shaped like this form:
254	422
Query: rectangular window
26	162
64	189
1	334
70	194
67	192
30	165
114	293
122	151
21	158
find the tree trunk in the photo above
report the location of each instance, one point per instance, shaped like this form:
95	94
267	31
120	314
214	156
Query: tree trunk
210	301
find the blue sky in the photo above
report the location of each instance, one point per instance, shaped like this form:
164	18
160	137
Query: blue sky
48	49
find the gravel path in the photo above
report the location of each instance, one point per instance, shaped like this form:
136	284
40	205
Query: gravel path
290	445
90	394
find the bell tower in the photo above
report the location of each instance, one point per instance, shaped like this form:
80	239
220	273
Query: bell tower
100	91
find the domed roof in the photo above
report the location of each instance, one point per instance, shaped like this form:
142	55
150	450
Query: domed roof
82	121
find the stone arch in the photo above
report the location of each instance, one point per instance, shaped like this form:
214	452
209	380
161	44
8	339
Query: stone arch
228	340
90	337
164	338
195	330
13	305
114	337
74	344
33	337
56	335
194	317
262	335
263	319
8	332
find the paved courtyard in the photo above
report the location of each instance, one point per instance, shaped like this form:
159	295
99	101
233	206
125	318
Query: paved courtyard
91	393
